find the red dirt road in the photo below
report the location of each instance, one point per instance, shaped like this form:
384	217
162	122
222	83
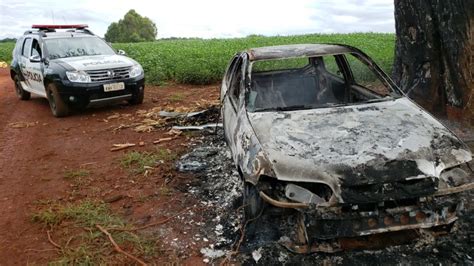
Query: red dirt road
34	159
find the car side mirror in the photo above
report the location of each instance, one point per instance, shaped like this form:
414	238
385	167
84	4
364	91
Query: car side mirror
35	59
121	52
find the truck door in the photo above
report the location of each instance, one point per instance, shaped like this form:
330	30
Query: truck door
24	58
34	68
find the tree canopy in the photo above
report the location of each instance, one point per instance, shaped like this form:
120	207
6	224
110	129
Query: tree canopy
132	28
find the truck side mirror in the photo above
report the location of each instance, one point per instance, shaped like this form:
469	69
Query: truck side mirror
121	52
35	59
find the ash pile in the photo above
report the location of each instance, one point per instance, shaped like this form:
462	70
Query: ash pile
219	187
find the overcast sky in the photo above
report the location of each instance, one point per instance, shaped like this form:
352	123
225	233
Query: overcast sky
206	18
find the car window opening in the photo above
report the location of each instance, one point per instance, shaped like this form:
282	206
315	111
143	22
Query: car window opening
320	83
36	49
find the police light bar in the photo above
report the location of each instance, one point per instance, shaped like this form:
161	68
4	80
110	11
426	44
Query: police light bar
73	26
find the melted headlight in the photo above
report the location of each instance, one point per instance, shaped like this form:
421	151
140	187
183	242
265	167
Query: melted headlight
456	176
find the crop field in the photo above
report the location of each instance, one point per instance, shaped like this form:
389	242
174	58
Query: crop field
6	49
199	61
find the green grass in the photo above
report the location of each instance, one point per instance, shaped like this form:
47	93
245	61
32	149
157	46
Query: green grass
139	162
85	213
89	246
198	61
176	97
73	174
6	50
78	177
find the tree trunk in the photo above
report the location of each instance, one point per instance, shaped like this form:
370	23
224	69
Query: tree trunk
434	55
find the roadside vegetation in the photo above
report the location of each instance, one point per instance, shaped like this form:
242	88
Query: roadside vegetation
141	162
77	177
199	61
88	243
6	49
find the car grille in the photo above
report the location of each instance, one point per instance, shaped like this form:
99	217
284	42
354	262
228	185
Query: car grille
109	74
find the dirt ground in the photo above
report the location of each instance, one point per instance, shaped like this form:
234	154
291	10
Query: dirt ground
37	151
47	162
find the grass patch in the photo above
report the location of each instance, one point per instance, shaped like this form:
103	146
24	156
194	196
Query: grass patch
78	177
6	50
90	246
139	162
73	174
165	155
85	213
199	61
176	97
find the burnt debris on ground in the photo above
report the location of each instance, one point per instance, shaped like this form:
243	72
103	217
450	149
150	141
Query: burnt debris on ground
219	186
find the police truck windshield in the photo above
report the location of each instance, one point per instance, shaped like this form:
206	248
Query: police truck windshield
77	46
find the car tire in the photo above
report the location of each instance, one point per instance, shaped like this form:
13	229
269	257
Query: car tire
58	107
253	203
138	97
20	92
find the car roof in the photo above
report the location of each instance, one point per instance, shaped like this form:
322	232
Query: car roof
296	50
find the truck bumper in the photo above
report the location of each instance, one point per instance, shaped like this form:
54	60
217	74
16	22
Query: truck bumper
93	93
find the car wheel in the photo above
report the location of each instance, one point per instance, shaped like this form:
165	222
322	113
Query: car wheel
58	107
253	203
138	97
20	92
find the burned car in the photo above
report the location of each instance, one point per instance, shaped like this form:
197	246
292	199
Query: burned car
321	129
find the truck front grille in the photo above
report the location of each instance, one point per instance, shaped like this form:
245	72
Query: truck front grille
109	74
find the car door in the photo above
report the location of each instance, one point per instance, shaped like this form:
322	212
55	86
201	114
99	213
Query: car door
34	68
227	76
24	58
232	101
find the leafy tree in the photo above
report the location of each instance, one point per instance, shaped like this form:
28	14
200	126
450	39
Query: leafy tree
132	28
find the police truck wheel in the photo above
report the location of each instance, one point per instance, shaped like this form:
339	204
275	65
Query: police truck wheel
58	107
20	92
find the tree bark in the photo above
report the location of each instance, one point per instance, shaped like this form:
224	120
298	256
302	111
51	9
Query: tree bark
434	55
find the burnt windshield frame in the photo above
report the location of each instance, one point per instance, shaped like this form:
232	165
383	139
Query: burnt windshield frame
395	92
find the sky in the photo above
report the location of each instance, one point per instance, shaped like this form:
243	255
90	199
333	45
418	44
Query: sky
206	18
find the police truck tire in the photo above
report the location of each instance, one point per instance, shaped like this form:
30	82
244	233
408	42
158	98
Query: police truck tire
58	107
20	92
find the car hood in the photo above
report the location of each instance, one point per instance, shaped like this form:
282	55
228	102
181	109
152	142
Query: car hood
357	144
96	62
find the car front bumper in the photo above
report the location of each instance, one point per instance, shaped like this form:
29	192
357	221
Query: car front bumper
94	93
328	224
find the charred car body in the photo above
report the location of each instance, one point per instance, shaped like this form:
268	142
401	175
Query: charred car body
73	68
323	130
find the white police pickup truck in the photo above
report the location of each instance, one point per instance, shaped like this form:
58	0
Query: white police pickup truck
73	69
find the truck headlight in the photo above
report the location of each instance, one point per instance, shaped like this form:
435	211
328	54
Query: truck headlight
136	71
78	76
